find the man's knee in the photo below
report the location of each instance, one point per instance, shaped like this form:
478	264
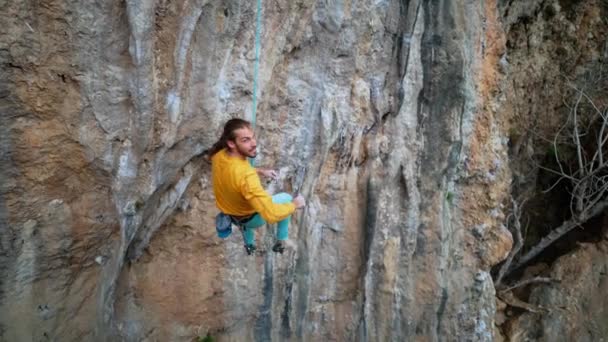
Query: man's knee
256	222
282	198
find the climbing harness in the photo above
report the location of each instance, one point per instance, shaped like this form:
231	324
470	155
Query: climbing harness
223	225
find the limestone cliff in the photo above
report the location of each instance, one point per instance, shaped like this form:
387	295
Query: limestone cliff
391	117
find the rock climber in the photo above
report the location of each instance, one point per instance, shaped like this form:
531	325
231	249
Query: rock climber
238	191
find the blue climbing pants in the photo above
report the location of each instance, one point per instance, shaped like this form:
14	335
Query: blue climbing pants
257	221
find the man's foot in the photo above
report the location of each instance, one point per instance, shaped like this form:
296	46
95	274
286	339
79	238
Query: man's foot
283	245
250	249
278	247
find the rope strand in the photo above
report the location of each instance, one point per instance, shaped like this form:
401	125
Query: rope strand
256	66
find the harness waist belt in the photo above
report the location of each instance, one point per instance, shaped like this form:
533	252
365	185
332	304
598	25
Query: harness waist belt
242	219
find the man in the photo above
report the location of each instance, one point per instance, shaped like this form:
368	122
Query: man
237	188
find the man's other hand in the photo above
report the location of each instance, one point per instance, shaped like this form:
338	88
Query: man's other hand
268	173
299	202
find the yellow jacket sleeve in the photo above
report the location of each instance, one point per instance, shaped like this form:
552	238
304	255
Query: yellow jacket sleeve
261	201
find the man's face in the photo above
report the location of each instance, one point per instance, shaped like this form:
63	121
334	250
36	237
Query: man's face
244	144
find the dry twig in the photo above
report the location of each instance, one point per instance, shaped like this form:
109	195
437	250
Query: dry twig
528	282
514	225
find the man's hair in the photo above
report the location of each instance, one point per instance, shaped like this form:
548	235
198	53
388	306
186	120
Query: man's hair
228	135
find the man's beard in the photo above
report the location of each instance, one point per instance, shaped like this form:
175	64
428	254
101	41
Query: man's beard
247	153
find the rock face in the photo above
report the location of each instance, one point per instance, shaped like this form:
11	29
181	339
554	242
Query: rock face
384	114
573	308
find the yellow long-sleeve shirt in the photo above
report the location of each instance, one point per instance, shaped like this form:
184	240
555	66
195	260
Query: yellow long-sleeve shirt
238	190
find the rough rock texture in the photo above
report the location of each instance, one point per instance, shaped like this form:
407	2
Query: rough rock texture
384	114
573	309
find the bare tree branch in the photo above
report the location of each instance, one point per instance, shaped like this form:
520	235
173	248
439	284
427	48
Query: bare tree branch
528	282
577	141
513	301
514	223
588	179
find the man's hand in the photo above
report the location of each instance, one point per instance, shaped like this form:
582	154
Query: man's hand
299	202
268	173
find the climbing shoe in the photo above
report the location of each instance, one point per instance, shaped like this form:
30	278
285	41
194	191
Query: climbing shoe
250	249
278	247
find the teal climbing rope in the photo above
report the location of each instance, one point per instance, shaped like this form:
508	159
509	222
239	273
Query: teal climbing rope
256	64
